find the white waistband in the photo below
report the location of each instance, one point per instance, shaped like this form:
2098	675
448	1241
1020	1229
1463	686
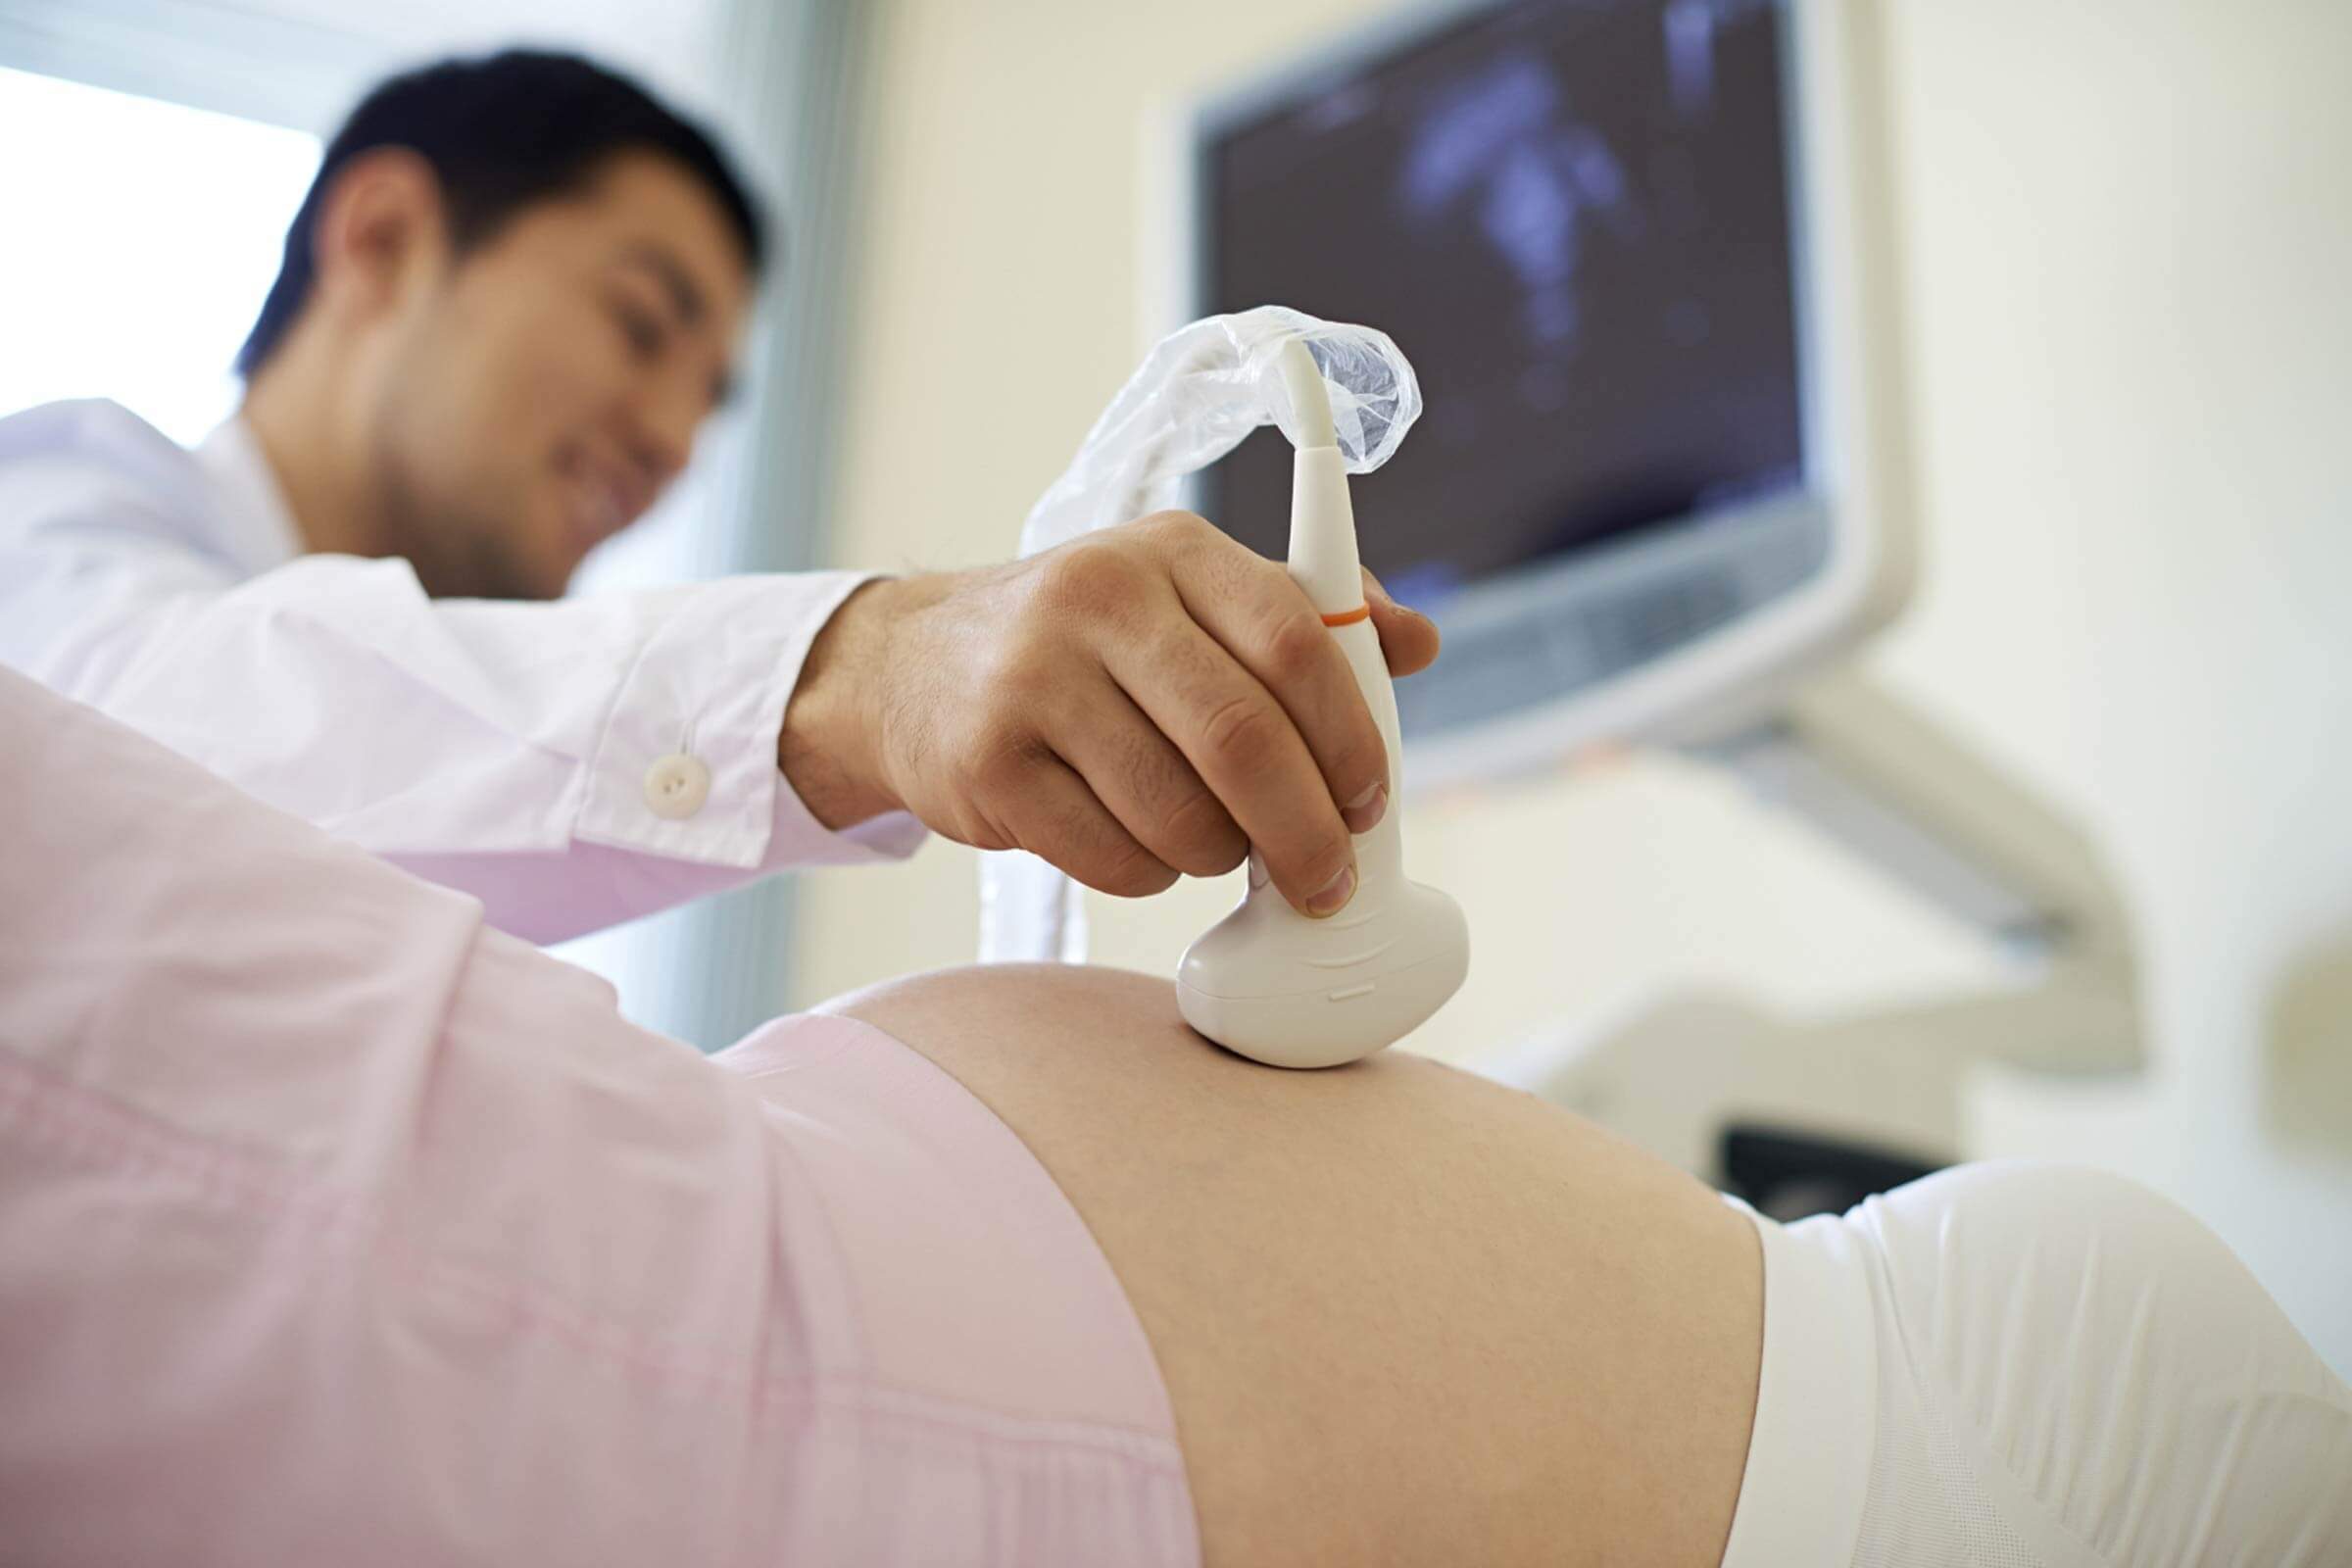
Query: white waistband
1809	1452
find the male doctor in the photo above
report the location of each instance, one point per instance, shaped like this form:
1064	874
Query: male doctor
511	299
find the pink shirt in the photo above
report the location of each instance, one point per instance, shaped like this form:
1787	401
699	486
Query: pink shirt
336	1226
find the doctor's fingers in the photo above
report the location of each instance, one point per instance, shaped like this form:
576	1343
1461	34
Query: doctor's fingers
1408	639
1049	809
1265	621
1242	744
1143	781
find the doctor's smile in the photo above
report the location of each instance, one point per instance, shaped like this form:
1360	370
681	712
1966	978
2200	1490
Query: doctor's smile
1168	502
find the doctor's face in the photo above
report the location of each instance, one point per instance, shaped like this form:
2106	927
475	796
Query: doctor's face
545	396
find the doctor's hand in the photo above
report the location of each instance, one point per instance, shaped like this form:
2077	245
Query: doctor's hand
1144	703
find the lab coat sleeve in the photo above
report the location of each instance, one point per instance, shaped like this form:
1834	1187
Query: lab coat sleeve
505	750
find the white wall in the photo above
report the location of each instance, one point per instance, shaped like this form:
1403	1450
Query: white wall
2129	235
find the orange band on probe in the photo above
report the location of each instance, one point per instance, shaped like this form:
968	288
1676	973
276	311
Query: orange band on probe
1348	617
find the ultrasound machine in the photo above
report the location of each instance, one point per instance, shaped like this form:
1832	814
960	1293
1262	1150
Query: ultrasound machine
1644	256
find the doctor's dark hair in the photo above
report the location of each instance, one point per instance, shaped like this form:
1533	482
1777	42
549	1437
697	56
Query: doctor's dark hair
500	132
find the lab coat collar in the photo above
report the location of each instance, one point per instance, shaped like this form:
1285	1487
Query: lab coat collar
258	529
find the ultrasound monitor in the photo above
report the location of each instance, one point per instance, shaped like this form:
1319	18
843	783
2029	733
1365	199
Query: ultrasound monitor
1635	251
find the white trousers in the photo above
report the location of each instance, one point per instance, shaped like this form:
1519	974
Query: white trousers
2026	1365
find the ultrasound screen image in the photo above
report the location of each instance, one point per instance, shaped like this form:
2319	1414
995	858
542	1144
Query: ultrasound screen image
1573	217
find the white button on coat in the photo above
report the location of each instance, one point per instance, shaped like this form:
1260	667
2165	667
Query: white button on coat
676	786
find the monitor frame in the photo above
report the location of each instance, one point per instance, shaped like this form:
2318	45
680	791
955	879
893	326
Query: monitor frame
1704	677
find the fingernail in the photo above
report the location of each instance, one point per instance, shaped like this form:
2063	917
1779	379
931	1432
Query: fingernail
1335	895
1375	589
1365	812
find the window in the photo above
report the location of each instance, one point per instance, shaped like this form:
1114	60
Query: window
143	235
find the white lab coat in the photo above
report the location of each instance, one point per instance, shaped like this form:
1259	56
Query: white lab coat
572	764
